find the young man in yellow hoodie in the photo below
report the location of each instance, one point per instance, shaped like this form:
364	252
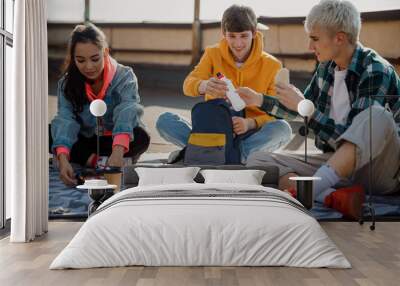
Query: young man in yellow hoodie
240	57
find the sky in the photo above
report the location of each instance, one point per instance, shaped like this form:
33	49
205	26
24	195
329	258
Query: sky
181	11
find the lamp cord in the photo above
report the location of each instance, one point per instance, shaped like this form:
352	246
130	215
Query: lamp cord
98	141
305	138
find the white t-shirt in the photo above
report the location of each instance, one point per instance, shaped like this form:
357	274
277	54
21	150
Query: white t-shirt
238	64
340	101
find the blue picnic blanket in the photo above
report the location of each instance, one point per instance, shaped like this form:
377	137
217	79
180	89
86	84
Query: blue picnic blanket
385	206
66	202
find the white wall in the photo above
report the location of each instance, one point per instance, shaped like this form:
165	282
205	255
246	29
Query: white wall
182	10
179	11
68	11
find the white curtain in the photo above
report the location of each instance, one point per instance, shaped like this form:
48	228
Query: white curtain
26	123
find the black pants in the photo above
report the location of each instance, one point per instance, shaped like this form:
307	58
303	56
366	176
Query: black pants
85	147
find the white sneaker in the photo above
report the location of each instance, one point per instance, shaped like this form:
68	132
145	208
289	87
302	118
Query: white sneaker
173	156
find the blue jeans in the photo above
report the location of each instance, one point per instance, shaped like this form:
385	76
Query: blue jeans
269	137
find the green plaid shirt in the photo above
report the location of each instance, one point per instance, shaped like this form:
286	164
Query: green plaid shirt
368	74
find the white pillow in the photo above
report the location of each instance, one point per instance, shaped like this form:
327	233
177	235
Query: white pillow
248	177
166	176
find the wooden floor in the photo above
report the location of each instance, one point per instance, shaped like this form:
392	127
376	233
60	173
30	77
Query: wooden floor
375	257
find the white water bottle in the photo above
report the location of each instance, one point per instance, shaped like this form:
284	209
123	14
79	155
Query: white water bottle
237	102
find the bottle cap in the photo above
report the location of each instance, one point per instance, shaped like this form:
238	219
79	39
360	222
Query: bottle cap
220	75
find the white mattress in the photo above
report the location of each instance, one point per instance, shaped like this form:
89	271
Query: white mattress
190	230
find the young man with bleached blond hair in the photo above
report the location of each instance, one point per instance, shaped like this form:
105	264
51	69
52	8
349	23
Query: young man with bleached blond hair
347	75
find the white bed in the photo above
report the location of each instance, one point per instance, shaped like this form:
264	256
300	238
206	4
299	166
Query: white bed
220	225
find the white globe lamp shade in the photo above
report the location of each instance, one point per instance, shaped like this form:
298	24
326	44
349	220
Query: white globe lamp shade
98	107
306	108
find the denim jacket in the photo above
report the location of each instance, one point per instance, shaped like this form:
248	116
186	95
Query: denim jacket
123	111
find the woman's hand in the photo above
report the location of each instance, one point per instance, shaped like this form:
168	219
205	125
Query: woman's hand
117	157
250	97
67	175
214	87
242	125
288	95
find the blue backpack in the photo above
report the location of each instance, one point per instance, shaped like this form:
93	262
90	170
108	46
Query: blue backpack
212	141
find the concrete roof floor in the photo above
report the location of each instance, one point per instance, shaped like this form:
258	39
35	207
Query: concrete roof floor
158	100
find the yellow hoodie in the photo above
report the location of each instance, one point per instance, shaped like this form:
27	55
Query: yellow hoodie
257	72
